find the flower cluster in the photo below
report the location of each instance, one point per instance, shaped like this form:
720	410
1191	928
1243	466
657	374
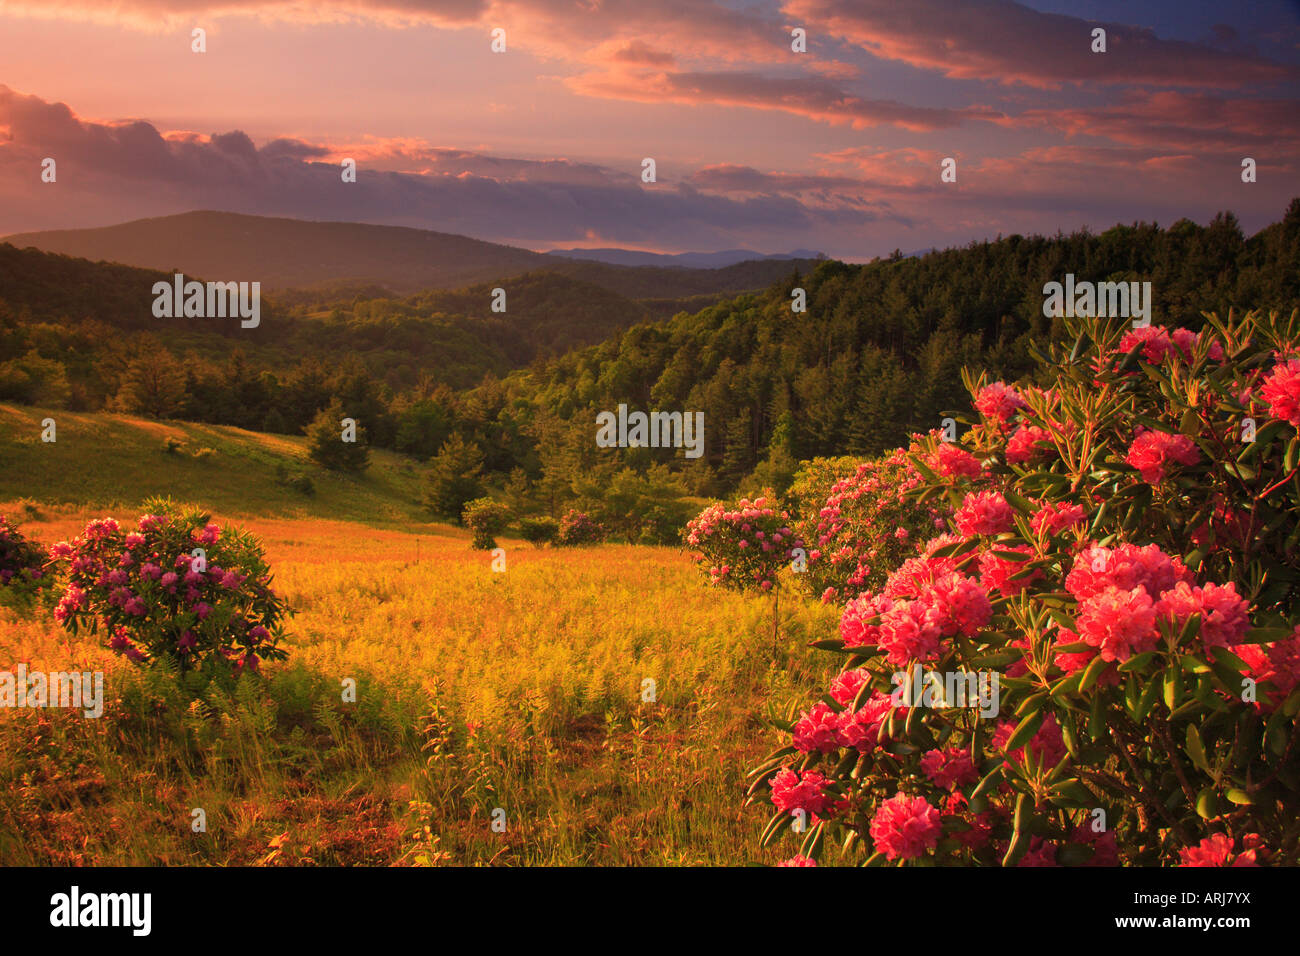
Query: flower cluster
1121	553
577	529
20	560
863	524
177	584
746	546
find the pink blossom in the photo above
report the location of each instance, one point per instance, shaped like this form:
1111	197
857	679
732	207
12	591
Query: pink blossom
1215	850
790	792
984	512
1281	391
999	402
818	730
949	768
1055	518
1224	613
1119	623
905	827
1152	452
1023	446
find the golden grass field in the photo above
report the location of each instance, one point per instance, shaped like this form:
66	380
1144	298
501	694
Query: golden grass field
477	690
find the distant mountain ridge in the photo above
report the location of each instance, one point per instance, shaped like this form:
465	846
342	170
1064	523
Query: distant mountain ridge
688	260
302	254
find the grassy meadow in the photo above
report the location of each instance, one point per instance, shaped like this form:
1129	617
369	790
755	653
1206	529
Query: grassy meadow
476	690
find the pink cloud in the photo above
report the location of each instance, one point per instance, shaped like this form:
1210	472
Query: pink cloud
1007	42
811	97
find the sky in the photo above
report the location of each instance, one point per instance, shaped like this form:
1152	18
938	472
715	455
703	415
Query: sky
757	146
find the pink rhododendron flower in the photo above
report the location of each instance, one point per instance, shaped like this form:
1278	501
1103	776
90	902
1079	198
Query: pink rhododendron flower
1047	745
1276	664
1055	518
996	572
911	630
981	825
1281	391
1023	446
905	827
999	402
1040	853
959	604
798	860
863	728
1185	340
790	791
1154	340
845	687
949	768
952	461
1125	567
817	730
1224	613
1216	850
1105	851
915	574
1153	451
1119	623
859	624
984	512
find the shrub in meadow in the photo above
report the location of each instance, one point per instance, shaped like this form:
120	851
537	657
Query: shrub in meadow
539	530
1114	593
859	520
746	547
177	586
743	547
486	519
577	529
21	562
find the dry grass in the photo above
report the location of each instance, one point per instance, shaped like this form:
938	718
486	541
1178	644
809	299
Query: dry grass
477	690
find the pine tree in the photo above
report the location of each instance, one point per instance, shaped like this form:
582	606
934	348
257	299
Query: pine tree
326	444
454	478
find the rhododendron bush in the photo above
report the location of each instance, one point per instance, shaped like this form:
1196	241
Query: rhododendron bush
1100	647
744	547
20	564
860	522
176	585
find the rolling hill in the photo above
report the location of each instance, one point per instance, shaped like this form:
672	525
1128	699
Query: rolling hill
293	253
116	461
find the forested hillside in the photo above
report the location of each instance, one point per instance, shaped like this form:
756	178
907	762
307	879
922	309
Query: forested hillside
879	350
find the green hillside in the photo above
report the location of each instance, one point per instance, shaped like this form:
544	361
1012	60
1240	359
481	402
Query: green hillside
116	461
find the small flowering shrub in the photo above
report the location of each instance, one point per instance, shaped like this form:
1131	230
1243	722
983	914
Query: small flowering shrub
576	529
486	519
1097	662
21	564
745	547
862	526
177	585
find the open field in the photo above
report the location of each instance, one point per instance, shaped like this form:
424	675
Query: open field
476	690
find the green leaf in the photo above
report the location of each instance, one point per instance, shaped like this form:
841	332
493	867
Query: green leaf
1091	674
1020	835
1025	730
1136	662
1196	749
1239	797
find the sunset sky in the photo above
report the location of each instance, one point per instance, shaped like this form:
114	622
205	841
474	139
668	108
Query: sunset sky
837	149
